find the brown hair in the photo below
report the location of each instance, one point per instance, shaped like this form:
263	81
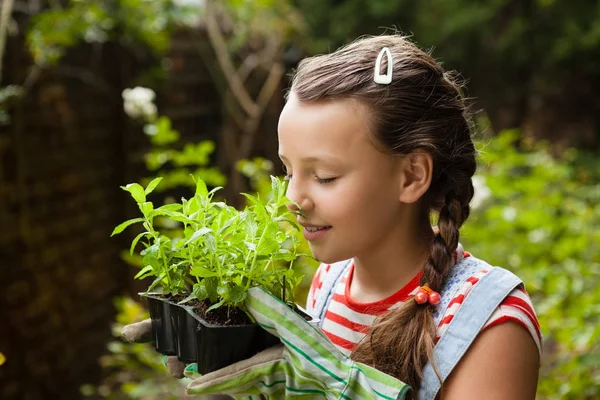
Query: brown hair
421	109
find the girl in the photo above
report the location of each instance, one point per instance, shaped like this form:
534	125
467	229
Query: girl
375	138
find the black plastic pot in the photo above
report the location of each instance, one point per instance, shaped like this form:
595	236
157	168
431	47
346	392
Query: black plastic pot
178	330
162	314
187	326
219	346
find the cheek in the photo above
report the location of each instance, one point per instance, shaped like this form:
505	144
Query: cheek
360	205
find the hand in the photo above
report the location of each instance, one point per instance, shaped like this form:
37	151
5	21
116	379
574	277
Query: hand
306	363
141	332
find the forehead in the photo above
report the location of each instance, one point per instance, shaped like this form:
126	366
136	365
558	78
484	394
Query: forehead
328	129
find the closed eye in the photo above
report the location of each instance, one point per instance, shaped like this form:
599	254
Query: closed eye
325	180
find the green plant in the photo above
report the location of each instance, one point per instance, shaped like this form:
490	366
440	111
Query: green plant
258	170
221	252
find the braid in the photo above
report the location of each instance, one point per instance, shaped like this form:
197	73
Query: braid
404	356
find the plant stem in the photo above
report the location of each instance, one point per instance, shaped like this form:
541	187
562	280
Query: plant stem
156	237
262	236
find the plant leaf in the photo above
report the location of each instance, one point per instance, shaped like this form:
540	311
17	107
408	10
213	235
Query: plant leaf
198	234
275	185
152	185
237	294
144	270
202	272
201	189
146	208
214	306
121	227
136	191
156	282
257	203
192	296
136	240
170	207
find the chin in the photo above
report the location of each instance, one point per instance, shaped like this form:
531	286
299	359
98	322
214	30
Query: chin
328	257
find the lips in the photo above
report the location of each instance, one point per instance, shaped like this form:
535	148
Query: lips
316	228
314	233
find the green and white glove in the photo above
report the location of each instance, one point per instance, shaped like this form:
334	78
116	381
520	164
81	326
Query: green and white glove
306	365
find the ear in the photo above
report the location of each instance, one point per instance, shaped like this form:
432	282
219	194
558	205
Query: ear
415	176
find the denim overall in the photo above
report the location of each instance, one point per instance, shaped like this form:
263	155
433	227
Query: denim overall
470	318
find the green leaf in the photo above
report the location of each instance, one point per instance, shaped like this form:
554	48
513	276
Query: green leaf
136	191
136	240
215	190
201	189
170	207
192	296
146	208
275	187
198	234
257	203
202	272
237	294
200	291
211	288
155	283
121	227
211	243
152	185
147	268
215	306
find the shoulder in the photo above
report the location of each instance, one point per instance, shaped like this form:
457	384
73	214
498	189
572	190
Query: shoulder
504	353
513	301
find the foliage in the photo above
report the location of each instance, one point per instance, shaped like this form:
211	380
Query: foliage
547	211
133	370
176	165
536	35
221	251
259	170
134	23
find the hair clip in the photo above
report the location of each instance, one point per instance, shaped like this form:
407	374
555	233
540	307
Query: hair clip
425	294
387	78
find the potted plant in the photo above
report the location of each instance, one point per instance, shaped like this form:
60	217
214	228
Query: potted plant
203	273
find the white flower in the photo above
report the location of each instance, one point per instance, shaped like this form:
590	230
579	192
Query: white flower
509	213
139	102
481	192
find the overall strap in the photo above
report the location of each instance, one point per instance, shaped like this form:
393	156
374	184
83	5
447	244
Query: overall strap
325	294
478	306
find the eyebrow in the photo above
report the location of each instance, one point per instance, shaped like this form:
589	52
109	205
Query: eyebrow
314	159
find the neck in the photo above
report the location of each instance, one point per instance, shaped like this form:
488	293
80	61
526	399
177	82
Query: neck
390	266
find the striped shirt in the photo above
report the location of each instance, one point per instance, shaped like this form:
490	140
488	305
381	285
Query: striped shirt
346	321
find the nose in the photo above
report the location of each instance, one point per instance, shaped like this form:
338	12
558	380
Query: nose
297	193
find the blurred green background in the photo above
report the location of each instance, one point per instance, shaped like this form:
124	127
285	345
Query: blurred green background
99	93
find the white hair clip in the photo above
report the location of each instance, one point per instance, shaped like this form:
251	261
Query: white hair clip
387	78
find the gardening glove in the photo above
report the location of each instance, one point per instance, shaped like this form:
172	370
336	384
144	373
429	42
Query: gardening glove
141	332
305	365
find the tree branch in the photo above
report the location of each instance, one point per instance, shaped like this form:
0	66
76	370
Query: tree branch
233	80
5	13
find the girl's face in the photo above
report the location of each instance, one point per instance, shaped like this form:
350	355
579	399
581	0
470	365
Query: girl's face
347	189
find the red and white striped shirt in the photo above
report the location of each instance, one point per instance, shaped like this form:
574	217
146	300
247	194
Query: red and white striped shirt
346	321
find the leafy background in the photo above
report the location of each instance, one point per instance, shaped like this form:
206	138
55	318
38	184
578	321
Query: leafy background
533	67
